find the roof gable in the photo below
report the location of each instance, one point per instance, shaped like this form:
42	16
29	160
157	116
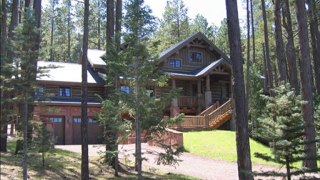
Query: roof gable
200	36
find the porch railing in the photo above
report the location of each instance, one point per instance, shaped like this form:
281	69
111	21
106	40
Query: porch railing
190	101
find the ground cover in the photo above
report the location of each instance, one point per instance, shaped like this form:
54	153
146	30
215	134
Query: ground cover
62	164
219	144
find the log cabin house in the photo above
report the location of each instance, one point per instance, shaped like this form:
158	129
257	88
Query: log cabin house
195	65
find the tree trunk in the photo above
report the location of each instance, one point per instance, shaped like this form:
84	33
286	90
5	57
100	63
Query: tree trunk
241	113
269	77
99	26
248	55
253	36
315	42
118	23
306	87
25	137
3	120
84	95
117	43
69	30
52	27
110	22
279	43
138	159
290	50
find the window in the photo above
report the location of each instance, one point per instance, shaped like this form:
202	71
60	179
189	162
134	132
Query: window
56	119
195	57
150	91
76	120
39	91
125	89
65	91
91	121
176	63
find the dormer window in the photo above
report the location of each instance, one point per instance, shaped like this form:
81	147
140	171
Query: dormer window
65	91
175	63
195	57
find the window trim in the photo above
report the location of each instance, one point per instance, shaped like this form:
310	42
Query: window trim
64	94
191	60
174	64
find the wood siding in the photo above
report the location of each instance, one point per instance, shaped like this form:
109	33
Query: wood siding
52	90
186	65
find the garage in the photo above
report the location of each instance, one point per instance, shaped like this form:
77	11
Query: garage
95	132
57	129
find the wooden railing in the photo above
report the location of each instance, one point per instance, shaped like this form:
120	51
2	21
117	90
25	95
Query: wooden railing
193	122
212	117
221	110
210	109
187	101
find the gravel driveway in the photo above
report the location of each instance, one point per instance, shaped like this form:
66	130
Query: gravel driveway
191	164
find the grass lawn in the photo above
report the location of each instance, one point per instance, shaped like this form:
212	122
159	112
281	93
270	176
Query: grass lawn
219	144
61	164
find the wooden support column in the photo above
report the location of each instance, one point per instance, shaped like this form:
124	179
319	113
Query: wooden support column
208	95
174	110
199	96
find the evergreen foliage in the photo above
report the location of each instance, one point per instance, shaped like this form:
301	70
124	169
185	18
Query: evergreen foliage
283	127
42	140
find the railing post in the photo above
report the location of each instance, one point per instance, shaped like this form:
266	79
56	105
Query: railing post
207	121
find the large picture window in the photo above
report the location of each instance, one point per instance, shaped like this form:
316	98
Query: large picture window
176	63
65	91
195	57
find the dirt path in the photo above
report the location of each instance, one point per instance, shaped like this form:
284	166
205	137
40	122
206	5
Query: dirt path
191	164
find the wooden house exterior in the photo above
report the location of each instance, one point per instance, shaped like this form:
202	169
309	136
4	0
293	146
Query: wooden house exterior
195	65
58	102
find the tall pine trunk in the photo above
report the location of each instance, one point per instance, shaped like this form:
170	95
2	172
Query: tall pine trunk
241	113
248	55
268	73
280	53
3	55
290	50
253	35
84	96
110	22
69	30
52	28
118	23
315	42
306	85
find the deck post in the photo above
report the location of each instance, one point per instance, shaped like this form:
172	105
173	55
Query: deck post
199	96
174	110
208	95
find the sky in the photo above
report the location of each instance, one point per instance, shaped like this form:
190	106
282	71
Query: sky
213	10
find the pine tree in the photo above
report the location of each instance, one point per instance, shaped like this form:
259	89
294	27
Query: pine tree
283	128
241	111
27	56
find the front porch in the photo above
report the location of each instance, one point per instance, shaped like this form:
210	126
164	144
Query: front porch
197	95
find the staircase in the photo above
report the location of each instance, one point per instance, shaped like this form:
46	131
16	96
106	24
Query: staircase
220	115
211	118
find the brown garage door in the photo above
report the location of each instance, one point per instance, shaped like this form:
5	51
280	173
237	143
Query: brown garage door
58	129
94	131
